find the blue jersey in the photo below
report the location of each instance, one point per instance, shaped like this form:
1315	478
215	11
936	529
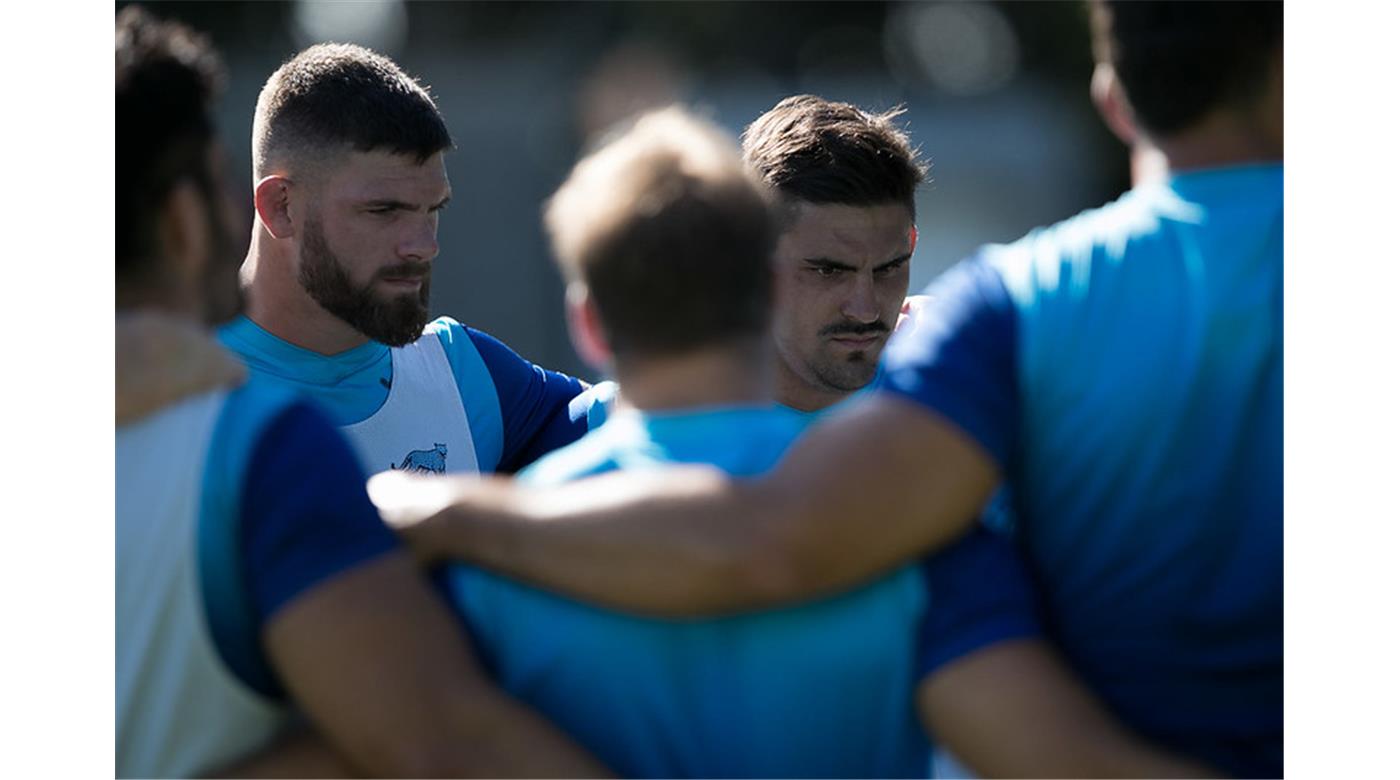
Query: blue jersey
480	406
819	690
822	689
229	505
1124	368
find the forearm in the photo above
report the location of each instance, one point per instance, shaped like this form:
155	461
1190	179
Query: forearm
672	544
1015	710
504	738
855	497
302	754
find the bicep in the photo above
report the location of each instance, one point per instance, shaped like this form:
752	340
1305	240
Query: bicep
536	415
366	654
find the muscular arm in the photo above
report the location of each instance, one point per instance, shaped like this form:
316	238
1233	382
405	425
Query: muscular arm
1015	710
380	668
353	631
861	492
302	754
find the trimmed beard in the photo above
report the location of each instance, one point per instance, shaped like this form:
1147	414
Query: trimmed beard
396	321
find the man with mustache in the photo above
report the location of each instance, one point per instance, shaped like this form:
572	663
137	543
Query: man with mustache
349	183
845	180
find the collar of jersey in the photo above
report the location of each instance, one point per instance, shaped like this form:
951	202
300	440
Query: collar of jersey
284	359
719	419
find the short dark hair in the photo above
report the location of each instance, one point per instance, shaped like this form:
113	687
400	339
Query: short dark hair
1179	60
336	96
672	236
820	151
167	79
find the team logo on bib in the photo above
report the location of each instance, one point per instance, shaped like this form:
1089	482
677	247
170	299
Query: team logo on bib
433	461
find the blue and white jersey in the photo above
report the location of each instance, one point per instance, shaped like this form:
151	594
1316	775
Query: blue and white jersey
1124	369
818	690
455	400
229	505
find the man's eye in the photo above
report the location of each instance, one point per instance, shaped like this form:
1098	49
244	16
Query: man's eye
827	272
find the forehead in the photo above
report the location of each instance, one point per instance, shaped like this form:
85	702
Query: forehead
852	234
378	174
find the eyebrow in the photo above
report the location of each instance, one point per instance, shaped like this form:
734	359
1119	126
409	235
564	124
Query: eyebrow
390	203
895	262
825	262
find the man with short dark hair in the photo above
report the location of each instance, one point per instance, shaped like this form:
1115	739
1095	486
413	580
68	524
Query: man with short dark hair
349	184
845	179
254	579
1121	370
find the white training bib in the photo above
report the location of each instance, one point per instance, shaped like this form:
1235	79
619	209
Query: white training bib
422	426
180	711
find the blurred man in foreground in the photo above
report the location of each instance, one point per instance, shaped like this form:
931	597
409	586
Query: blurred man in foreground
253	575
1120	370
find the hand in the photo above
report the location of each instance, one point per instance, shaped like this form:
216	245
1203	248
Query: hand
913	305
409	503
162	359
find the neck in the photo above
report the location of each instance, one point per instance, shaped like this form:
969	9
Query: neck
1223	138
718	376
280	305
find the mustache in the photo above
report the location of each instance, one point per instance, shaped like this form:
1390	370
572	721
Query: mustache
856	329
405	270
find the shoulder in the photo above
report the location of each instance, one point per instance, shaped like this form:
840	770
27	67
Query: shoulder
456	336
595	453
1060	260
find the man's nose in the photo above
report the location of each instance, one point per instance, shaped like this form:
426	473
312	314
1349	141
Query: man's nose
421	244
860	303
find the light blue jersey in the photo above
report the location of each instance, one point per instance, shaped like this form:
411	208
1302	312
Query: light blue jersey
456	400
1124	368
229	505
819	690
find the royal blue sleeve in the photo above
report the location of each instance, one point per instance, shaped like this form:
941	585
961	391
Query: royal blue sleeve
979	594
957	358
305	513
536	414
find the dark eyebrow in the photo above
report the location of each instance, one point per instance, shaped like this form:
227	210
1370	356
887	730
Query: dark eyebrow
893	263
387	204
822	262
398	205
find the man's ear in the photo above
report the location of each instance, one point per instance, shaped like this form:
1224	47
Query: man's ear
1107	94
586	327
271	199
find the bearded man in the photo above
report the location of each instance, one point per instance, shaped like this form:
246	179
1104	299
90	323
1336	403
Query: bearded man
349	183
